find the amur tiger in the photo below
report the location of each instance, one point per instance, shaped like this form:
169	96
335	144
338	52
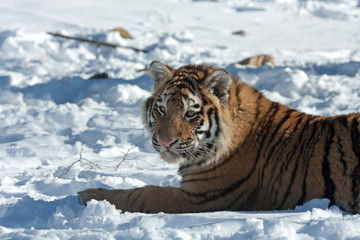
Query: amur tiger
238	150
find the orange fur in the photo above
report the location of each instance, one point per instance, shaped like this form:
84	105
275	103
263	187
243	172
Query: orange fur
260	156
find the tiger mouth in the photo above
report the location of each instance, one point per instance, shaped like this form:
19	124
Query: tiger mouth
171	157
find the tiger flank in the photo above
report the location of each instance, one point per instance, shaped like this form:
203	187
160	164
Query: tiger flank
237	150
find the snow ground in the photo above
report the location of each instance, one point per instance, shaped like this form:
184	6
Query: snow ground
61	133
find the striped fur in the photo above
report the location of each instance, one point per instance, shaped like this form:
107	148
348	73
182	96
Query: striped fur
238	150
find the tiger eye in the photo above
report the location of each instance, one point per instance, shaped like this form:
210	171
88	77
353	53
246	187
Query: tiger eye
190	114
162	109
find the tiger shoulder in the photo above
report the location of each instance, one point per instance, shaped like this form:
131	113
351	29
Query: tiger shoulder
237	150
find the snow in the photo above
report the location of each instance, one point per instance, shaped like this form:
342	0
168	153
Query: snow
61	133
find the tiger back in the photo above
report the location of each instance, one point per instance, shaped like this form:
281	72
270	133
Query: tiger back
237	150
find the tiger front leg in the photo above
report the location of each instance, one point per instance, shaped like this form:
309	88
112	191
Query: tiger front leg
148	199
99	194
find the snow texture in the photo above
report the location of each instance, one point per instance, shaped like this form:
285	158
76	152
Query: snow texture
61	133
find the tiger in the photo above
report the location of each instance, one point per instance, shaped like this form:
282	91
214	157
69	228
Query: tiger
239	151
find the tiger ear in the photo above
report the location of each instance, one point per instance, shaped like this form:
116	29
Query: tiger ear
158	72
219	83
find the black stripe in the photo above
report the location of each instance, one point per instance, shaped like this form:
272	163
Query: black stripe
184	96
201	132
311	144
278	150
154	114
261	125
204	100
223	192
140	192
303	188
217	123
282	121
142	207
355	140
192	85
201	179
280	145
243	206
238	90
184	81
201	112
184	86
285	162
209	113
342	156
266	129
197	163
344	120
215	168
212	195
267	120
148	107
257	111
300	119
207	132
295	170
148	103
181	86
200	195
129	196
326	169
201	123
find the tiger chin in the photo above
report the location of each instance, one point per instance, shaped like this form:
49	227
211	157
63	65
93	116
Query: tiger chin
239	151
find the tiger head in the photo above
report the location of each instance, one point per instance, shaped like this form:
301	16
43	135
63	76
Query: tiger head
183	114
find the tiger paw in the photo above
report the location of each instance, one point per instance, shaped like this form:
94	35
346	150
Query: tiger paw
88	194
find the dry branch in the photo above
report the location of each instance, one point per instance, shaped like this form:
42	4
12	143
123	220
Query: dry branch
80	160
95	42
124	158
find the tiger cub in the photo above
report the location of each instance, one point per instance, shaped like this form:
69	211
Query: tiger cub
238	150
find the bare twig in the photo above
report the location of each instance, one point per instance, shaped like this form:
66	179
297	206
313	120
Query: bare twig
68	170
124	158
137	144
96	42
80	160
83	161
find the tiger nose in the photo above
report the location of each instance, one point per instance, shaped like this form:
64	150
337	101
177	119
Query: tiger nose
167	142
